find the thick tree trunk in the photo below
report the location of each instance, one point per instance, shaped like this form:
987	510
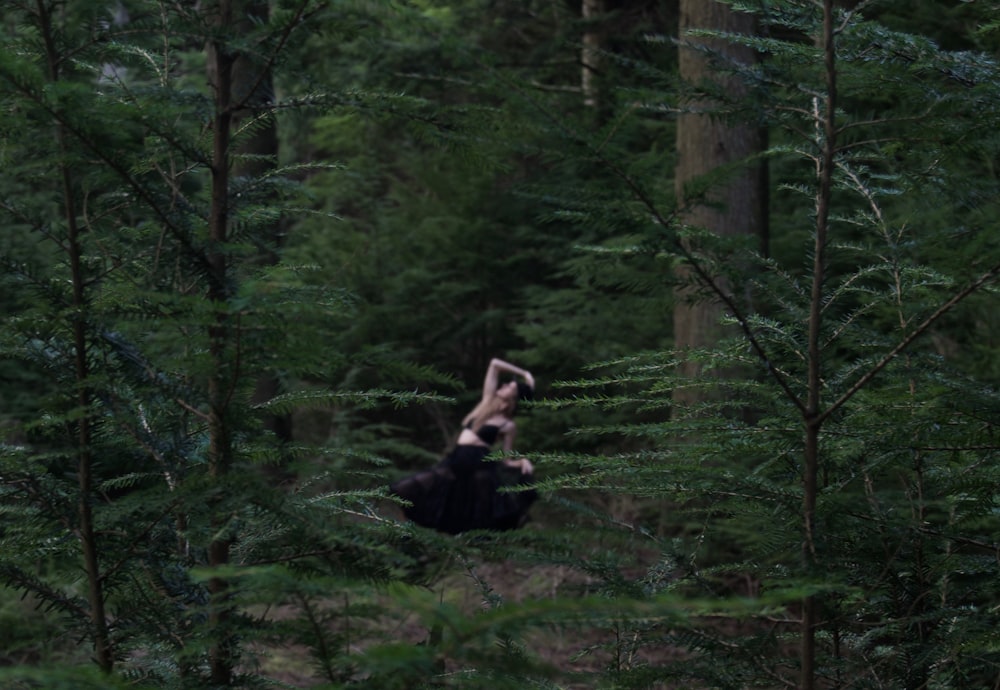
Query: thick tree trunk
705	143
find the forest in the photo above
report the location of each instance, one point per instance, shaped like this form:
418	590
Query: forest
257	255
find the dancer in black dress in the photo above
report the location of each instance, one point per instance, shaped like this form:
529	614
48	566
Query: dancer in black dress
462	492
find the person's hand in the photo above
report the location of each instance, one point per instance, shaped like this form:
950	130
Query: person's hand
529	379
522	464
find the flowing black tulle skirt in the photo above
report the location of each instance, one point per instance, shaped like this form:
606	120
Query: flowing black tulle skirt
463	492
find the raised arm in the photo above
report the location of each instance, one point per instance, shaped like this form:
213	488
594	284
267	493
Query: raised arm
493	371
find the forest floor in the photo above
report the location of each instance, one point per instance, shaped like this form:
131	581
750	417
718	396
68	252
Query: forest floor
508	580
580	655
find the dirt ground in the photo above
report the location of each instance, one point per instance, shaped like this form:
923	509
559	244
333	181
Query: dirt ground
509	581
581	653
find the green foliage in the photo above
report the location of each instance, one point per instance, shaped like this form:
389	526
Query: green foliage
846	351
141	507
442	184
475	207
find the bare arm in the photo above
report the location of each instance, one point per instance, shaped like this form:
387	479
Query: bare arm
522	463
509	432
498	366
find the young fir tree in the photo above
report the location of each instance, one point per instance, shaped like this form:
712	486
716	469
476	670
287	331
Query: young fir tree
137	509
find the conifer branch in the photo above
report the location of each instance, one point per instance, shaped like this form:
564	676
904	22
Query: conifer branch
108	158
137	540
298	17
903	344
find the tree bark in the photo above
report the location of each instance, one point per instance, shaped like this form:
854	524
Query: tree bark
253	91
704	143
220	451
827	127
86	532
590	53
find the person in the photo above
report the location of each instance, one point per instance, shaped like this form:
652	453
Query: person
463	491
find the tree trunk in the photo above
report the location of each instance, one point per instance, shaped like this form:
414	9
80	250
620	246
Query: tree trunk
590	53
242	88
252	93
813	412
220	451
86	532
704	143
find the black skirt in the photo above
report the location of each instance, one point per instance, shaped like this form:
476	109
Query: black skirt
463	492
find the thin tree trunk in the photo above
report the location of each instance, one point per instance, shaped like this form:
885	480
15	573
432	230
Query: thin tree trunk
590	53
87	534
89	546
220	65
241	87
827	134
807	641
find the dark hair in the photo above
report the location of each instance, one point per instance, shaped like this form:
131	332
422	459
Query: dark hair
524	391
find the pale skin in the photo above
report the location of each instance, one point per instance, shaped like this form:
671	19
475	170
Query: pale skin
503	419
